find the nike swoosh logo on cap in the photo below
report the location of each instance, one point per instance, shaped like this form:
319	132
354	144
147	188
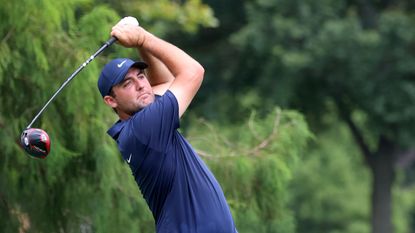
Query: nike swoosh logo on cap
122	63
129	159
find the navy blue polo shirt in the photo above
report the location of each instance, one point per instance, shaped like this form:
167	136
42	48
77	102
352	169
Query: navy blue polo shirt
181	192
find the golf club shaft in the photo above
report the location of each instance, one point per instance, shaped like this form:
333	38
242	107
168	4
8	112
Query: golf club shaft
103	47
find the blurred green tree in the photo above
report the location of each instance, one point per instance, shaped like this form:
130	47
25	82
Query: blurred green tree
254	163
83	186
330	190
350	58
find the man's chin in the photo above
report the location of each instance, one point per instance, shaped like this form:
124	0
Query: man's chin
142	106
146	99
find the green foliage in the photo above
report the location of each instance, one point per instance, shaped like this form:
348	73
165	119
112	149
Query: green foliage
331	188
303	53
350	59
254	163
403	207
83	185
164	16
309	55
97	29
316	56
187	15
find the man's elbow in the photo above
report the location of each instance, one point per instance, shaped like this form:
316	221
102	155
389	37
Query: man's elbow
200	72
196	72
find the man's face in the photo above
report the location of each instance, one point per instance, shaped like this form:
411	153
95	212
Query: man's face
132	94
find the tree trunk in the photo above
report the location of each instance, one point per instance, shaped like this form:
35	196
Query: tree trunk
382	167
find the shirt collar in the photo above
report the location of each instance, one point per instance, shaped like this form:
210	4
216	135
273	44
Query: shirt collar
115	130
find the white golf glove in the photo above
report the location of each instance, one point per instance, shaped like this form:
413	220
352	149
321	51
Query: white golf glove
129	20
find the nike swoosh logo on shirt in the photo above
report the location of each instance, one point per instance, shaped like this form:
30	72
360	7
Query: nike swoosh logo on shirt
129	159
122	63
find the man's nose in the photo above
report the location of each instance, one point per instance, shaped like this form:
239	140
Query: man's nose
139	84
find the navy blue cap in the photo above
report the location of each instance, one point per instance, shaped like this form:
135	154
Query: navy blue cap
114	72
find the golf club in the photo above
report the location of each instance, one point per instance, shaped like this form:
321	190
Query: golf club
36	142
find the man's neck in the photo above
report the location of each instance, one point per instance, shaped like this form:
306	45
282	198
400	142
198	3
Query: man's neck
123	116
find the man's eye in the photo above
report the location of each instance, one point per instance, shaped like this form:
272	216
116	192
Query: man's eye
126	83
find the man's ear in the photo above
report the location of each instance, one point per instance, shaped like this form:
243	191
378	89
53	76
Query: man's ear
110	101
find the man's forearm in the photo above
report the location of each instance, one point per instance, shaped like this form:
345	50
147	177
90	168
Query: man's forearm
175	60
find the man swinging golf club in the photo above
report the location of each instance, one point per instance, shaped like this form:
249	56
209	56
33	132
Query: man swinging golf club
181	192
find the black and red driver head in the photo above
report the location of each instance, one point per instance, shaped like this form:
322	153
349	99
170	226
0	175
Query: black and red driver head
36	142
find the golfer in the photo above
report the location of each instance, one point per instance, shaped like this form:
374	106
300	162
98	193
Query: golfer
149	97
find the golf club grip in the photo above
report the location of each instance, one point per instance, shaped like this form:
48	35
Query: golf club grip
111	41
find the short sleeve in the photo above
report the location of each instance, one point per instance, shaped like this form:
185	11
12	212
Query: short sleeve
156	124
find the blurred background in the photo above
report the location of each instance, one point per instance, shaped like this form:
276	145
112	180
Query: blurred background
306	115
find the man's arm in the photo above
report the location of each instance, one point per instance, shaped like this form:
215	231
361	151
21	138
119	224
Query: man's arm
187	72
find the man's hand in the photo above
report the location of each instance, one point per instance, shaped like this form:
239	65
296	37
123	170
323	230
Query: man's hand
128	33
